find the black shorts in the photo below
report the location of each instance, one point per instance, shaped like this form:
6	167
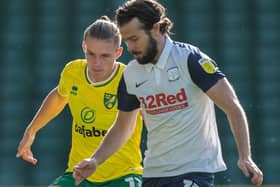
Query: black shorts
195	179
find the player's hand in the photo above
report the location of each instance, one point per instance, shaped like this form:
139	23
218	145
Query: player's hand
24	149
249	168
84	169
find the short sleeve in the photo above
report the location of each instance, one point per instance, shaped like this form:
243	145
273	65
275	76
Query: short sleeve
62	85
126	101
204	71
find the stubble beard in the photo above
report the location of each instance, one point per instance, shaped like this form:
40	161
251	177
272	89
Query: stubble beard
150	52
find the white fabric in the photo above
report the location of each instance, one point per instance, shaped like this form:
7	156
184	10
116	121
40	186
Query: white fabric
180	118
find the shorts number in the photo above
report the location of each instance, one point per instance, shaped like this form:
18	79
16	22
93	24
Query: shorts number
133	181
189	183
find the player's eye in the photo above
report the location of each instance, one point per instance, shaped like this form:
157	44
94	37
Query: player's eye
89	53
106	56
134	39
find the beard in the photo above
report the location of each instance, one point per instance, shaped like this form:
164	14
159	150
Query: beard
150	52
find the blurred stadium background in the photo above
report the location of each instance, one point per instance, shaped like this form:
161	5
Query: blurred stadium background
39	37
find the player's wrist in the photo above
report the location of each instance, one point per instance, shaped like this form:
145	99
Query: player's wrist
94	161
31	131
245	155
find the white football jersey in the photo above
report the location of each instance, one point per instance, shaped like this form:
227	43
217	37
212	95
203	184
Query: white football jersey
180	118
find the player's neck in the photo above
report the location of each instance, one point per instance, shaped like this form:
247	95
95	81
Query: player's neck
96	80
160	46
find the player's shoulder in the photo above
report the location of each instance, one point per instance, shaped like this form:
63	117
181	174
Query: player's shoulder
75	64
120	68
185	48
185	52
133	64
134	71
74	68
121	65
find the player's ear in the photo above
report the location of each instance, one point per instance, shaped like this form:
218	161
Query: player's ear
84	46
118	52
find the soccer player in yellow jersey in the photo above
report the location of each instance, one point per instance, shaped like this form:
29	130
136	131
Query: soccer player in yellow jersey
89	87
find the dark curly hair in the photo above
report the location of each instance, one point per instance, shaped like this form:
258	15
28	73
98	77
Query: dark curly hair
148	12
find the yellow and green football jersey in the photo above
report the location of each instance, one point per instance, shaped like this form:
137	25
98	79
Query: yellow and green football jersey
94	109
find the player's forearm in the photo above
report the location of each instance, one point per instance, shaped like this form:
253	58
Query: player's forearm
223	95
239	126
110	145
52	105
116	136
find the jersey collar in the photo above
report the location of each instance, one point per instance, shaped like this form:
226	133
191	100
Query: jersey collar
105	82
163	57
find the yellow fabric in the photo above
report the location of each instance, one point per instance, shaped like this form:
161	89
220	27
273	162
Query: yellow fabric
94	109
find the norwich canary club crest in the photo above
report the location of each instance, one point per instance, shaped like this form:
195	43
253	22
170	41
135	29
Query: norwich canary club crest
110	100
208	65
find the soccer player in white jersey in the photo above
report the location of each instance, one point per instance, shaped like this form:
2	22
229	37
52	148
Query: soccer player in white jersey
176	85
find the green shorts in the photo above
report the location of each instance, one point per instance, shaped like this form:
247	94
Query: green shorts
67	180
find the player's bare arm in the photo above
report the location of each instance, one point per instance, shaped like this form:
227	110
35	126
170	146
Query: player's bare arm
52	105
117	135
225	98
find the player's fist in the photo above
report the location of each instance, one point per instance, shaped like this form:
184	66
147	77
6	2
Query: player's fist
84	169
249	168
24	149
27	155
